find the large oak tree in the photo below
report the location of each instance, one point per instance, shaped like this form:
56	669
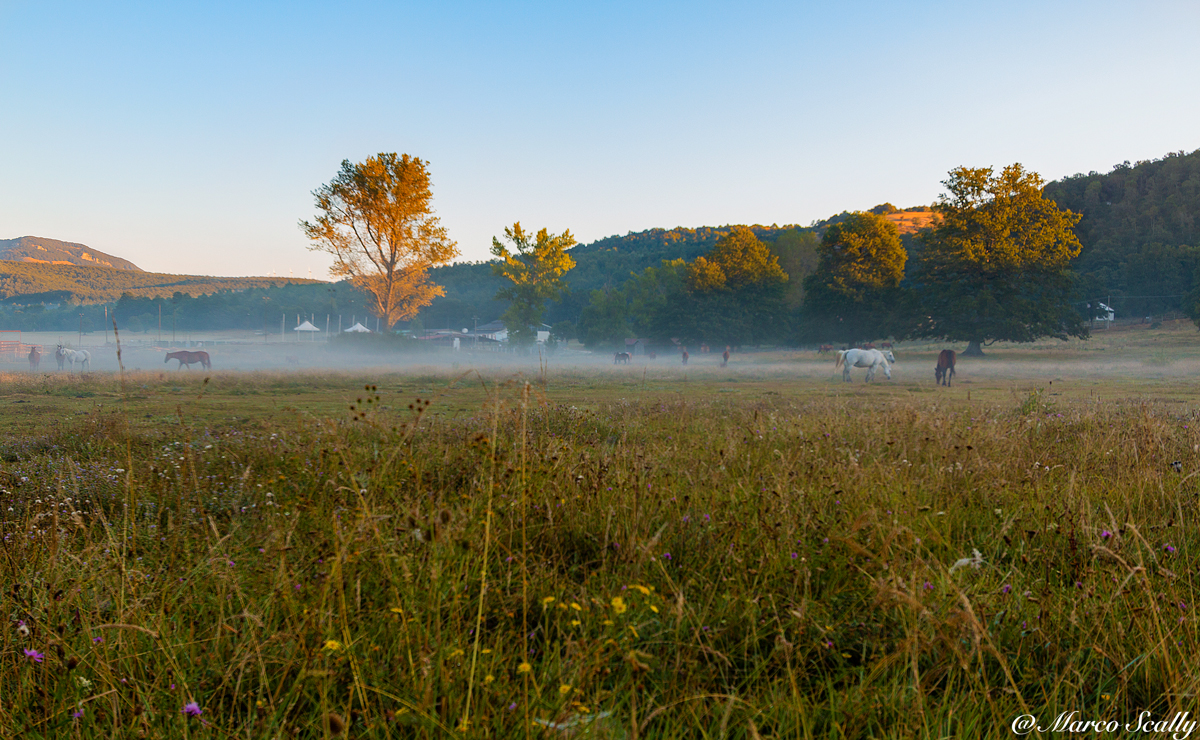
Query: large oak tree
996	265
376	219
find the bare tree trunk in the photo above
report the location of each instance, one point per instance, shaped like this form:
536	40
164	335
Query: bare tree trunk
974	349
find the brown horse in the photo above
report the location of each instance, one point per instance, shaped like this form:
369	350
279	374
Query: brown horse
35	359
685	355
945	367
621	358
187	358
824	348
725	358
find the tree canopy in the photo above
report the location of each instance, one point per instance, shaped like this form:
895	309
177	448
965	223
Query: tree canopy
996	266
535	268
377	221
853	293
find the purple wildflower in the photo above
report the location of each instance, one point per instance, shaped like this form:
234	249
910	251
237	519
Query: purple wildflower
192	709
1006	589
928	586
34	655
1105	535
1168	548
78	714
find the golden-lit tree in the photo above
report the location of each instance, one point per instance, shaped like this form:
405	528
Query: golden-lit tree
996	267
535	267
375	218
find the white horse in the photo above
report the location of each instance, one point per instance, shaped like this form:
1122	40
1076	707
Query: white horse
82	356
871	359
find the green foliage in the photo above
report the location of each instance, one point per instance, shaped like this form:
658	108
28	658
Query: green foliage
996	266
535	268
1138	232
853	294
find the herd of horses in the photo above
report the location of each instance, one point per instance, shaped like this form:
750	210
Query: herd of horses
83	358
866	356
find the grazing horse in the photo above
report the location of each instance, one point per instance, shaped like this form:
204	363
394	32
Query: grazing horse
187	358
35	359
885	345
824	348
82	356
871	359
945	367
685	355
60	355
725	358
621	358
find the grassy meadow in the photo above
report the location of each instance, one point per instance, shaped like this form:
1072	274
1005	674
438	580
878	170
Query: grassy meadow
644	552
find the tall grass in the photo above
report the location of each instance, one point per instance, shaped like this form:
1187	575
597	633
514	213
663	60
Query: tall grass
651	567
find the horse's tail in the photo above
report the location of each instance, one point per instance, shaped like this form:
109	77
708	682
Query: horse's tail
840	356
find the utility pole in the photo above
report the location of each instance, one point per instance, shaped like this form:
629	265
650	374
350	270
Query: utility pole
476	347
80	331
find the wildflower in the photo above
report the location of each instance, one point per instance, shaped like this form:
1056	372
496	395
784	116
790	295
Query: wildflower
1105	535
1168	548
333	645
564	689
576	607
1006	589
793	556
514	704
524	668
192	709
974	561
548	601
78	714
644	591
928	586
618	605
489	678
34	655
22	629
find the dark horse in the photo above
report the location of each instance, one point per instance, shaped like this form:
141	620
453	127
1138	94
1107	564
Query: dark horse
621	357
35	359
187	358
945	367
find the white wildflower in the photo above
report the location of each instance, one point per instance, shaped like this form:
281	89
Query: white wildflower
974	561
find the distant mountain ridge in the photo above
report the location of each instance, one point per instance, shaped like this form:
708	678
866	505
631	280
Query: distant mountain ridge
37	249
31	283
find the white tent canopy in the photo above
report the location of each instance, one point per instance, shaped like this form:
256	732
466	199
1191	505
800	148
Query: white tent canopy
358	328
306	326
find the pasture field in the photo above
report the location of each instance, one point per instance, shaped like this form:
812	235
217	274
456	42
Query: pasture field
589	551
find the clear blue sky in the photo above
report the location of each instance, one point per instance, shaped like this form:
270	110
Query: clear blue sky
188	137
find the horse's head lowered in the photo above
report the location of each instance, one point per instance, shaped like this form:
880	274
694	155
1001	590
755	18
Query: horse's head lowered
889	356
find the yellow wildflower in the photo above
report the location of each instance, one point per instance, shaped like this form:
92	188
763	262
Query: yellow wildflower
618	605
576	607
333	645
524	668
645	591
489	678
564	689
548	601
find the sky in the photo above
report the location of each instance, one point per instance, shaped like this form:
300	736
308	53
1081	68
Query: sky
188	137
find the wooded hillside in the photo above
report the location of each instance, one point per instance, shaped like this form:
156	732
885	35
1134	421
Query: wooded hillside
30	282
